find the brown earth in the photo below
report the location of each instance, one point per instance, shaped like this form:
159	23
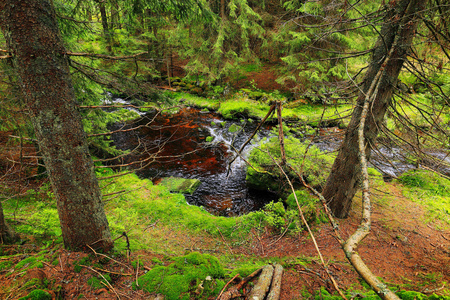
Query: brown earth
402	249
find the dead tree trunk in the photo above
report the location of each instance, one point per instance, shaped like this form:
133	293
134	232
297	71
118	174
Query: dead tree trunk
34	42
400	23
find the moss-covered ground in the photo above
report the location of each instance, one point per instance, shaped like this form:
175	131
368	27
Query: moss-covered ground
173	242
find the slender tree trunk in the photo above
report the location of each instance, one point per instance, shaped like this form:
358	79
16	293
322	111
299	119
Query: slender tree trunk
400	24
222	9
6	233
34	41
106	31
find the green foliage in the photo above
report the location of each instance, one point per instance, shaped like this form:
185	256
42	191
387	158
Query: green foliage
265	174
194	275
37	295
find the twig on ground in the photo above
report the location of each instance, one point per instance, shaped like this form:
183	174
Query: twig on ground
137	273
234	291
223	239
226	285
101	254
106	281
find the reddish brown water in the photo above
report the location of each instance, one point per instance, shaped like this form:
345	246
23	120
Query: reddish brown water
175	145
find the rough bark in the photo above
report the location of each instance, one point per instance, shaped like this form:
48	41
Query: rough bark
261	288
344	180
7	235
34	41
275	288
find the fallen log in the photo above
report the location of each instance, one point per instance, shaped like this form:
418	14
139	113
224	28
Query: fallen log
262	286
275	288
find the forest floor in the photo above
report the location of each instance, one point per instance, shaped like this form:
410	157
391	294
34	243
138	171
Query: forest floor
402	248
405	248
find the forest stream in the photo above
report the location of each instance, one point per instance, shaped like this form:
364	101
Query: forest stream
197	144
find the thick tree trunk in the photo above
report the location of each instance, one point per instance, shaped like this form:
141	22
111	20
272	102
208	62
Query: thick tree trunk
398	32
33	37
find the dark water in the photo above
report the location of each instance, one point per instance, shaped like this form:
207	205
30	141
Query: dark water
176	145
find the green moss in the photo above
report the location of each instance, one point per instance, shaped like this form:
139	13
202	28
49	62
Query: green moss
411	295
77	264
234	128
30	262
98	282
37	295
265	174
429	189
371	295
209	139
241	106
180	185
426	180
184	276
4	265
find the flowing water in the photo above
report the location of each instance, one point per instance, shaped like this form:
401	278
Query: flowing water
197	144
176	145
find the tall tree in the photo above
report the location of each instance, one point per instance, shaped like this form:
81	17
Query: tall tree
394	42
39	56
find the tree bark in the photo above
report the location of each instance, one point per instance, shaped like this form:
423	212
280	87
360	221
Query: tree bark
34	41
261	288
344	180
222	10
275	287
106	31
6	233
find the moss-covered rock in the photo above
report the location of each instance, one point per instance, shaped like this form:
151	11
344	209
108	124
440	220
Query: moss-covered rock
234	128
180	185
265	174
194	274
